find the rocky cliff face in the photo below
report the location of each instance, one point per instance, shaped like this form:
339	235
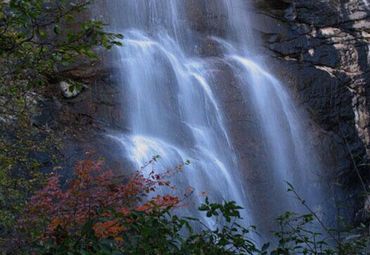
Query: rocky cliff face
321	49
79	123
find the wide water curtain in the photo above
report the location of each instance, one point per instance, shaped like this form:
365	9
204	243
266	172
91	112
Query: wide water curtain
174	52
171	106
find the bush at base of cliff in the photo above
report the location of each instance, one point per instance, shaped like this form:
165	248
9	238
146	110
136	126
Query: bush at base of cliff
95	213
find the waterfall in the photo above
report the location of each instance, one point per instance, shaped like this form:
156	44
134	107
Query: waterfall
167	75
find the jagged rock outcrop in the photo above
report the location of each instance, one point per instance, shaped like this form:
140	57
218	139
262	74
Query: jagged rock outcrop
321	49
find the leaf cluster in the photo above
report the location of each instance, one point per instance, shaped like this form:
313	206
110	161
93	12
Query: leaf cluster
38	37
96	213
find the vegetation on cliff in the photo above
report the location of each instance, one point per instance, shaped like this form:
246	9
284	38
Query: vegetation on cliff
38	39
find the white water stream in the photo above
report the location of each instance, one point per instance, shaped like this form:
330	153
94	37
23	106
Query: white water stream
172	107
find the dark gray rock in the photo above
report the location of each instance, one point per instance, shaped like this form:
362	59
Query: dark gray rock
320	49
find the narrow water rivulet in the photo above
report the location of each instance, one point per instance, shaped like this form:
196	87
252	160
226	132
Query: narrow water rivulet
167	72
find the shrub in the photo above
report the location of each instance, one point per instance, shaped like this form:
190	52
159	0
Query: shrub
38	38
95	213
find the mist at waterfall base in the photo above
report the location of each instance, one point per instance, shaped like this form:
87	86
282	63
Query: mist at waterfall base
168	77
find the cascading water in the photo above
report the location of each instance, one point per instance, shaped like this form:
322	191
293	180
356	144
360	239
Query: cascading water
173	112
171	104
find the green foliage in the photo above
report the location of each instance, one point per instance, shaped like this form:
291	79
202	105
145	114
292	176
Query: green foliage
296	235
299	234
162	232
95	214
20	174
38	38
307	234
98	215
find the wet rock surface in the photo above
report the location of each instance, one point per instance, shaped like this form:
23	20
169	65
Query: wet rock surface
321	50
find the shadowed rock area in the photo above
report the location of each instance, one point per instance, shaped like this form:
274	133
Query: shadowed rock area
321	49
